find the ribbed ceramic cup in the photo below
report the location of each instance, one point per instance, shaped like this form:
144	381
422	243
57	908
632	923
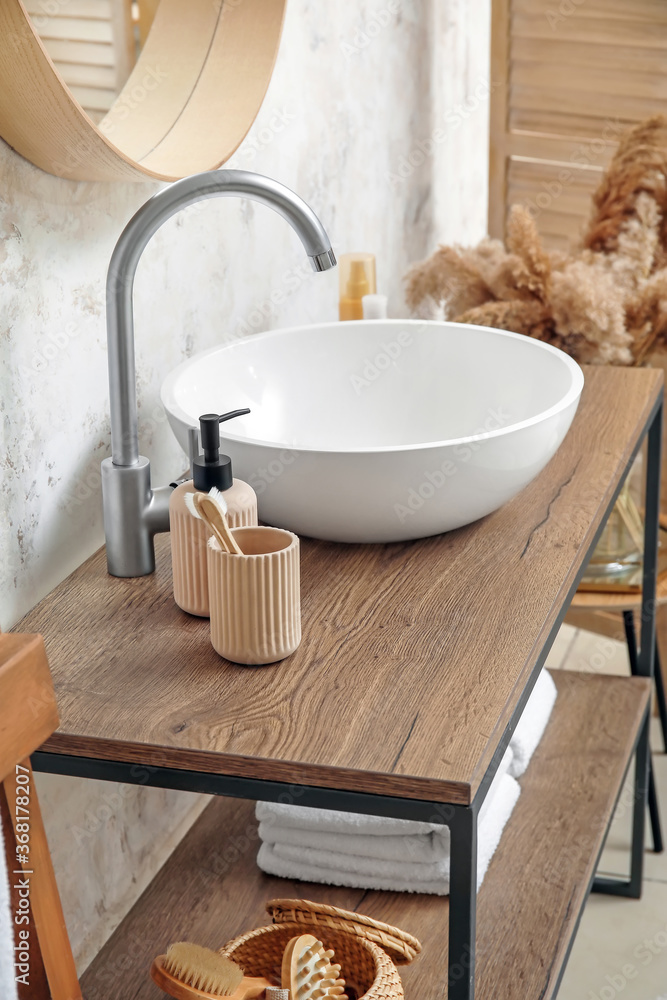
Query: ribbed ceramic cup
255	598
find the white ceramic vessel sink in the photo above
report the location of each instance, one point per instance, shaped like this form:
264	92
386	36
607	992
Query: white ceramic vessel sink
382	430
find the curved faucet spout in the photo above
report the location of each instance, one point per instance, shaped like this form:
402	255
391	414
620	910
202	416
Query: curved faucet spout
128	251
132	514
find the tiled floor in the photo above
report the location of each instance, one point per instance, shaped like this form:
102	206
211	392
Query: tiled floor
621	947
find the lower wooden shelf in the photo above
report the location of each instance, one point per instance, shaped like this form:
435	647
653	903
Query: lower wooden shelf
210	889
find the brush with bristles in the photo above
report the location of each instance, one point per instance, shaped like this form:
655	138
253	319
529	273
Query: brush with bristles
308	973
188	971
211	508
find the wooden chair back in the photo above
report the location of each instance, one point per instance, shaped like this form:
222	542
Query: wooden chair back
28	715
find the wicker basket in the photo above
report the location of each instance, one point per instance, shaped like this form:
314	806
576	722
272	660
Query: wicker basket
367	969
399	945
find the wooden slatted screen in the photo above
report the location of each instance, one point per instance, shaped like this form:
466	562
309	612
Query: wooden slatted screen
568	77
92	45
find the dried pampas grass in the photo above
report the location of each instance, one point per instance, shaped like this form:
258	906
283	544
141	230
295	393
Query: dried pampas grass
604	304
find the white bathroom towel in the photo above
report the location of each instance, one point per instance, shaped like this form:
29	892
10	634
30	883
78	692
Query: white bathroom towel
425	847
357	834
7	970
533	722
333	821
421	858
317	833
336	868
422	848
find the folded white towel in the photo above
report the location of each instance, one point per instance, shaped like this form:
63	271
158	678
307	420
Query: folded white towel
411	871
305	818
424	847
336	868
355	833
7	969
532	723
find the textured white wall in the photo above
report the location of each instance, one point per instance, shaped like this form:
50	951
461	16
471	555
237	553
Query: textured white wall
461	92
356	88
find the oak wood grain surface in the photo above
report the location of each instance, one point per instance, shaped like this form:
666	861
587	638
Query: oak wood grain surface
414	655
210	889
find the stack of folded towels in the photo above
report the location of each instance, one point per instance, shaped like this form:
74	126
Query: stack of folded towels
376	852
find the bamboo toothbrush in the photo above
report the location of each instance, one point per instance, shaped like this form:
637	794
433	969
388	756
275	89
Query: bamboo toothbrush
211	508
190	972
308	973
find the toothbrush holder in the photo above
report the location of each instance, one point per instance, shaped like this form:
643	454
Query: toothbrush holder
255	598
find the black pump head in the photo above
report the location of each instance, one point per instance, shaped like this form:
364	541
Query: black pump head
213	469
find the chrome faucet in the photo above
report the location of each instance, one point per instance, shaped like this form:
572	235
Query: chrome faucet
133	511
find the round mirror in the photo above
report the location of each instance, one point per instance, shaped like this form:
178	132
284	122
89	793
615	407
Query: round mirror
93	44
120	89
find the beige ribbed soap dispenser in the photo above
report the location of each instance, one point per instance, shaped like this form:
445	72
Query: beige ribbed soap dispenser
189	536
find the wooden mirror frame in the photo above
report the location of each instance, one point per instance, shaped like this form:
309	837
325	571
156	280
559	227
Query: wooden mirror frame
188	103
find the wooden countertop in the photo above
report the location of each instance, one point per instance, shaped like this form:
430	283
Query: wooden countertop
414	655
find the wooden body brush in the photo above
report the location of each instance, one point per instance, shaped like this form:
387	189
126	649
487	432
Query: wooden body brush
308	973
190	972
